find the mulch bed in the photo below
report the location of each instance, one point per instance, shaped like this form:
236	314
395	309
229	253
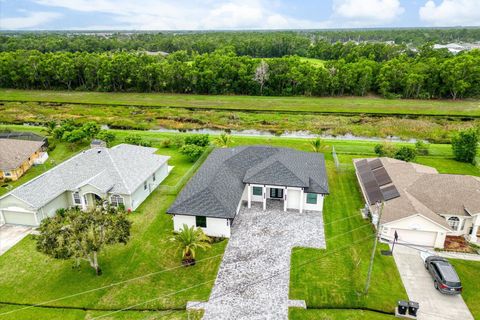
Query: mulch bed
457	244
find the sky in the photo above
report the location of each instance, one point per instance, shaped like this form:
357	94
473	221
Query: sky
234	14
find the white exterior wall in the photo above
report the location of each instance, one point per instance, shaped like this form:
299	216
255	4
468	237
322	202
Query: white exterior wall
140	194
256	198
415	223
465	222
50	208
293	198
313	207
216	227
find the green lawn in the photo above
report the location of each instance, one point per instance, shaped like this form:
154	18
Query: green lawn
285	104
310	314
469	273
334	278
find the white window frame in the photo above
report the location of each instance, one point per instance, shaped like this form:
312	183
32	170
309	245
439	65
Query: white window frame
75	200
8	174
154	178
454	223
116	202
145	185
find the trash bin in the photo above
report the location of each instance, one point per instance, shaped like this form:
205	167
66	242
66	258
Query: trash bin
413	308
402	307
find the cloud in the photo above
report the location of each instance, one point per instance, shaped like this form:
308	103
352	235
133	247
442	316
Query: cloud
29	20
451	13
367	12
184	14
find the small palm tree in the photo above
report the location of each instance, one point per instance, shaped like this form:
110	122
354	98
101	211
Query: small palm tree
189	240
223	140
316	144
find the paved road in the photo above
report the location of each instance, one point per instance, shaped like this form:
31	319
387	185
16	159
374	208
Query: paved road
259	248
11	235
419	286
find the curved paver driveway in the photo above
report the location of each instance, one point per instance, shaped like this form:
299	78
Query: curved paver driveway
253	279
419	286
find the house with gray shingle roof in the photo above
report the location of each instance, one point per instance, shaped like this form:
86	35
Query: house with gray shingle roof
231	177
17	156
422	206
122	175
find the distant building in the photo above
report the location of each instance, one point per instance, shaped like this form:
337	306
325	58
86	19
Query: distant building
17	156
97	143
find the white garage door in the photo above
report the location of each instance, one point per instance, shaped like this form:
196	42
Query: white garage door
22	218
420	238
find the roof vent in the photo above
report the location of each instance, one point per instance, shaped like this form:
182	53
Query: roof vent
99	151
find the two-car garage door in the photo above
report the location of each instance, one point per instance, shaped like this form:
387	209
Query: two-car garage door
19	217
417	237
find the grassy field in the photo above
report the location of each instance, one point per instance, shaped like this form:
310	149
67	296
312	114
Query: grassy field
150	251
469	273
363	105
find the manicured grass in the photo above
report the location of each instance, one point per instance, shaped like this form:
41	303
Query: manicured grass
303	104
336	279
309	314
37	278
469	273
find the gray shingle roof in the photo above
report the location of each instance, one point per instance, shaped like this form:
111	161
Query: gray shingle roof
14	152
217	187
121	169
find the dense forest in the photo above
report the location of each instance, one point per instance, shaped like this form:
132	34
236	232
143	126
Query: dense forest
248	63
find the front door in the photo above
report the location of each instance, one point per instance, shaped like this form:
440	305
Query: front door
276	193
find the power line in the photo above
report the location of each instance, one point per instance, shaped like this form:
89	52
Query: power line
141	277
248	285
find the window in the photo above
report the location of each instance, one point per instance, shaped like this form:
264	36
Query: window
454	222
257	191
201	222
312	198
153	177
116	200
76	198
145	185
8	174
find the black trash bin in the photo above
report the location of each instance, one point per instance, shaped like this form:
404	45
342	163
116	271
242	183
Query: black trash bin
402	307
413	308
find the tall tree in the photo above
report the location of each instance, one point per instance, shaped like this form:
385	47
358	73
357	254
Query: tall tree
465	145
261	75
82	235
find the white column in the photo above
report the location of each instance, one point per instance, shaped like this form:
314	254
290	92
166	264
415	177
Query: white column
473	235
36	218
285	199
249	195
264	192
82	201
302	200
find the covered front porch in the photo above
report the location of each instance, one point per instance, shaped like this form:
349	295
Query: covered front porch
290	198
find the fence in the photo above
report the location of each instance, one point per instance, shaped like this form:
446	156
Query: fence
173	190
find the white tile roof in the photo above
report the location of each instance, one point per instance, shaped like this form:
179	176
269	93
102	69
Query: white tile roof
121	169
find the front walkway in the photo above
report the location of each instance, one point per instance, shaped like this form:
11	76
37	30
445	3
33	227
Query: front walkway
253	280
419	286
10	235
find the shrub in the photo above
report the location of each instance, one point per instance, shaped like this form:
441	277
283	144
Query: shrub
106	136
177	141
166	143
422	148
201	140
385	149
193	152
137	140
465	145
405	153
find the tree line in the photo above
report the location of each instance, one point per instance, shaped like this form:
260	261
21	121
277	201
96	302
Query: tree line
428	74
326	44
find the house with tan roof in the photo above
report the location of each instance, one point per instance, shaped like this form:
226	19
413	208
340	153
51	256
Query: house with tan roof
17	156
420	204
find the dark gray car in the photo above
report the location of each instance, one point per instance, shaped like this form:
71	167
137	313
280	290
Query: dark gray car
445	277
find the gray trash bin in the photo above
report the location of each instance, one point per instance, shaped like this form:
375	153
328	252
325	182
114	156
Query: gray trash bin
402	307
413	308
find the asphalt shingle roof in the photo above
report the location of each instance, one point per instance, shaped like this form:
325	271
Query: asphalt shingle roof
121	169
14	152
217	187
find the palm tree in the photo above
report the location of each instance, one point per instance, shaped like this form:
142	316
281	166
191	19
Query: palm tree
223	140
316	144
189	240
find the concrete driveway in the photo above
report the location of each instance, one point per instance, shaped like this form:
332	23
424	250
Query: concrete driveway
419	286
10	235
254	277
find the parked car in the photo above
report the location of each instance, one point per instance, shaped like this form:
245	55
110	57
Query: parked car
445	278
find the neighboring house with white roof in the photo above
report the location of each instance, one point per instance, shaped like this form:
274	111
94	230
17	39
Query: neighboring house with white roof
261	174
125	174
420	204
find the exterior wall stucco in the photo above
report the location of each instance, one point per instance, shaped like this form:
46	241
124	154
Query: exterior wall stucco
140	194
216	227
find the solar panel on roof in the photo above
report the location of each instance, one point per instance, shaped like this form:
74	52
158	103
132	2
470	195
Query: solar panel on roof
375	163
390	193
382	176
